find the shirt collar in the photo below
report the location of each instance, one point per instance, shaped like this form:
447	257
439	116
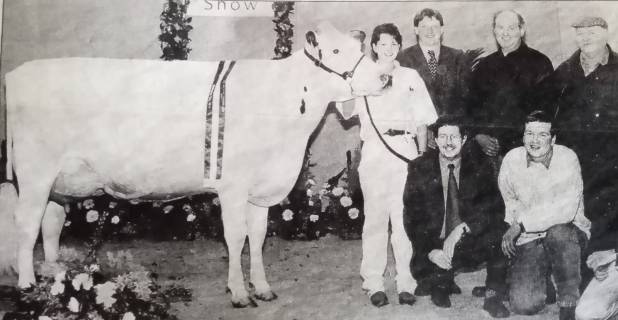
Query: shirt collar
522	47
545	161
435	49
445	162
591	63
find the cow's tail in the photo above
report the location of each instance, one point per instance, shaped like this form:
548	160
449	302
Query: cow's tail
8	199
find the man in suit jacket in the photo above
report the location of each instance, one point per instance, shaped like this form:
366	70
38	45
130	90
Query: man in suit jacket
454	219
441	67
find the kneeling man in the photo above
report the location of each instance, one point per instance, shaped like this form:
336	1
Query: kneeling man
454	219
541	184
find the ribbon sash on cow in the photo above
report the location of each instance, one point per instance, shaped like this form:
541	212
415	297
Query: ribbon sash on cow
215	124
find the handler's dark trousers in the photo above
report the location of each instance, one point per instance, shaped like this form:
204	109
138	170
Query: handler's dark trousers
559	253
470	252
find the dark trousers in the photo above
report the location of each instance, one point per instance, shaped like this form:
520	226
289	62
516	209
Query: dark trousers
470	252
560	253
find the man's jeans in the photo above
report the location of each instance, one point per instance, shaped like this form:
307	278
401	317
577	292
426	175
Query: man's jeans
559	253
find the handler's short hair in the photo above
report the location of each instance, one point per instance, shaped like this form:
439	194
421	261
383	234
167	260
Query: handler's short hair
450	120
429	13
541	116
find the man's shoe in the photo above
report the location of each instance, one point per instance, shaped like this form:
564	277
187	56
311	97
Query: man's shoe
379	299
567	313
439	297
495	307
479	292
454	288
422	289
406	298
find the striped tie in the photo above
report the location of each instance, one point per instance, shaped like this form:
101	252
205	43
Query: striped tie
433	64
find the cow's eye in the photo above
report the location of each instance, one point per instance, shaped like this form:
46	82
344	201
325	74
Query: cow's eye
336	51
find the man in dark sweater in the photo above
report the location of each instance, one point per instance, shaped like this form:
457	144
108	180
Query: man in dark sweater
502	86
584	93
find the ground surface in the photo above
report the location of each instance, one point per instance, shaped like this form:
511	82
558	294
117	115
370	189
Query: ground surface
314	280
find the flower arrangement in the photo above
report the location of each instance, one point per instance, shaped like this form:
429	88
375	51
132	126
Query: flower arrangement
77	289
283	27
312	211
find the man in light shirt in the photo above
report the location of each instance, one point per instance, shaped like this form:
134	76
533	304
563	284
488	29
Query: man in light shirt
542	188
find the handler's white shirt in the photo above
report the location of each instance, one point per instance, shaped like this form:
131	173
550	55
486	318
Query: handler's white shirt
540	197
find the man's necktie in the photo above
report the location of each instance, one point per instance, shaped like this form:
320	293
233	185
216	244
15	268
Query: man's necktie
433	64
452	202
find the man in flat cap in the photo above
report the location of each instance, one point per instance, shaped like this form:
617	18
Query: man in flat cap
583	94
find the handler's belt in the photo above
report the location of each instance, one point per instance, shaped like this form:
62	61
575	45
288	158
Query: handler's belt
395	132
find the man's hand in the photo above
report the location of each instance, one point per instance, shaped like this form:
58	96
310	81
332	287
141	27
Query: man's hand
600	262
508	240
489	144
439	258
601	272
452	240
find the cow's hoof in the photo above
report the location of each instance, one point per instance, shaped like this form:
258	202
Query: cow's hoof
243	303
268	296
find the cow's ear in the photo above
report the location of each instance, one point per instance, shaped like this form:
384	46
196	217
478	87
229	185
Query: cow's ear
310	36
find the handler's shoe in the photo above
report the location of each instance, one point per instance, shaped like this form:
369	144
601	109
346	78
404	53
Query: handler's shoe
567	313
495	307
439	297
379	299
406	298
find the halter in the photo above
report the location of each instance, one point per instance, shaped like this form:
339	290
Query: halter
318	63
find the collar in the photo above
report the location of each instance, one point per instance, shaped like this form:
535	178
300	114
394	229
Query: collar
522	47
574	60
591	63
445	162
435	49
545	161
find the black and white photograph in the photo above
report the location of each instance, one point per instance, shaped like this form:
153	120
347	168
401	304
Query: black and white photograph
219	159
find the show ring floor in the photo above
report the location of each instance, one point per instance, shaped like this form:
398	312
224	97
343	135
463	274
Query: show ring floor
314	280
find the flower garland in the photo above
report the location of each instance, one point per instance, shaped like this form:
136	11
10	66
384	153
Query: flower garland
283	27
175	27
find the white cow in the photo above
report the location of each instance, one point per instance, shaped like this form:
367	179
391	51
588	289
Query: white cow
136	129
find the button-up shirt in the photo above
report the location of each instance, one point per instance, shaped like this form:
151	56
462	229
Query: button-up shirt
540	197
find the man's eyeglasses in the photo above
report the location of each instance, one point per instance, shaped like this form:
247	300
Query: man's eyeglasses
451	137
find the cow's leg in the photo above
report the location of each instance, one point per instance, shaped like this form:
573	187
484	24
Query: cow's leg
257	221
53	221
234	216
33	195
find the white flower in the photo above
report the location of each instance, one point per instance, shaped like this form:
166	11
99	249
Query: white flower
216	201
310	202
309	192
115	219
326	185
288	215
128	316
337	191
57	288
92	216
67	208
311	182
353	213
314	218
60	276
82	280
322	192
44	318
345	201
94	267
168	208
73	305
67	223
187	207
105	292
88	204
113	204
190	217
157	204
134	201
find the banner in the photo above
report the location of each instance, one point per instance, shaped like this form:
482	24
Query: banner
226	8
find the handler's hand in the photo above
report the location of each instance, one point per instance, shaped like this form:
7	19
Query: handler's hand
439	258
489	144
601	272
599	258
452	240
508	240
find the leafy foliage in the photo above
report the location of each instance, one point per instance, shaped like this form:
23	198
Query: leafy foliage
175	27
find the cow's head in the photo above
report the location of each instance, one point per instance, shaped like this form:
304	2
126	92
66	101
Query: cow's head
341	55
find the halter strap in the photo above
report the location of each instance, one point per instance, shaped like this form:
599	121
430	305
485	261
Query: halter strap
344	76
